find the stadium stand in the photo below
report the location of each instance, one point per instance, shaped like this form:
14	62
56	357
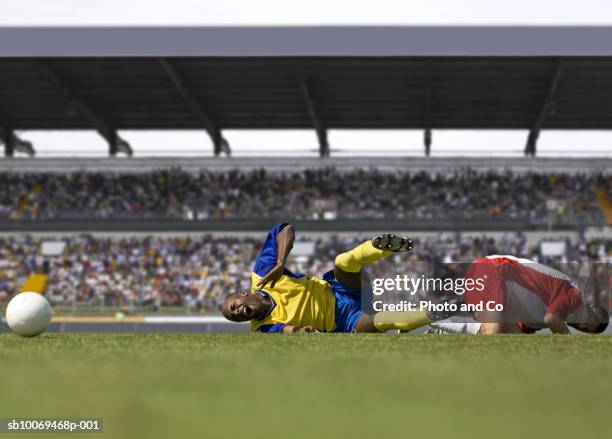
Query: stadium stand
151	273
308	194
603	193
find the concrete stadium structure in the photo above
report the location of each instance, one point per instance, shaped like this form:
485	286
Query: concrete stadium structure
320	78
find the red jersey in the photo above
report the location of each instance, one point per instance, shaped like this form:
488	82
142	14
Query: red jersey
527	290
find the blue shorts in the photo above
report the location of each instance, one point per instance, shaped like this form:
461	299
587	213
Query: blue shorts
348	303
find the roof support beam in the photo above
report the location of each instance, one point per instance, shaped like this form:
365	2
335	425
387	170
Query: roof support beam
6	136
219	142
13	143
427	137
115	143
311	105
534	132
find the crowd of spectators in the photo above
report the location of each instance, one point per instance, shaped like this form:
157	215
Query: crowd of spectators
304	194
196	272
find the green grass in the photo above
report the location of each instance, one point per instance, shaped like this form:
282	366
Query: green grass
313	386
96	310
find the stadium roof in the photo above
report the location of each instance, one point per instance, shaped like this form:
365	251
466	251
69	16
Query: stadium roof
259	41
304	77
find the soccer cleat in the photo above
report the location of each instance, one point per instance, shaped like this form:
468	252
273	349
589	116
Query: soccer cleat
392	243
435	329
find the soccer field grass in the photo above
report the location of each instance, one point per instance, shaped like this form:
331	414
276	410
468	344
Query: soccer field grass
318	385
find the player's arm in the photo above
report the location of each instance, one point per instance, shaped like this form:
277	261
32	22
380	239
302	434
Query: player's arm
556	324
284	244
285	240
564	301
286	329
299	329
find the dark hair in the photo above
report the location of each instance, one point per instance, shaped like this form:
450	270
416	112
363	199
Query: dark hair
603	317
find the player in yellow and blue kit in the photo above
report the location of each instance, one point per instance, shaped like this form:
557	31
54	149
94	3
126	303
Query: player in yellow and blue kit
282	301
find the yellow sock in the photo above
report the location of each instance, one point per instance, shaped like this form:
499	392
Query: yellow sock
404	321
364	254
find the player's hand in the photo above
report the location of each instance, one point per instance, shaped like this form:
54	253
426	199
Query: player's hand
272	276
307	329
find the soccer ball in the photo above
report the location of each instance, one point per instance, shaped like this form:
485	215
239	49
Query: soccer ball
28	314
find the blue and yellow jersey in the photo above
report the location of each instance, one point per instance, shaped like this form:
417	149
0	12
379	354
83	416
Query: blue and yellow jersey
298	300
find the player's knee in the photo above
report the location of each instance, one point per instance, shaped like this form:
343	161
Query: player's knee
366	324
341	261
491	328
347	262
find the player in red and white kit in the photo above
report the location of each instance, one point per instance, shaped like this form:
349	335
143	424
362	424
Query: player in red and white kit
531	296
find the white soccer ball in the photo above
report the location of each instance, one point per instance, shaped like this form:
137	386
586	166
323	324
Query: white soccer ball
28	314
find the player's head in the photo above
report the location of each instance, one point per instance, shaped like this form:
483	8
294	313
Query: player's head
593	319
243	306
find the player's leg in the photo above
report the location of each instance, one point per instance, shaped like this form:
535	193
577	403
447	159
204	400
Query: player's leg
348	264
366	324
404	321
382	322
371	251
498	328
385	321
491	322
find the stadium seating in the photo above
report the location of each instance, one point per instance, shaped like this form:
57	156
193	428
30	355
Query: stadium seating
196	272
305	194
